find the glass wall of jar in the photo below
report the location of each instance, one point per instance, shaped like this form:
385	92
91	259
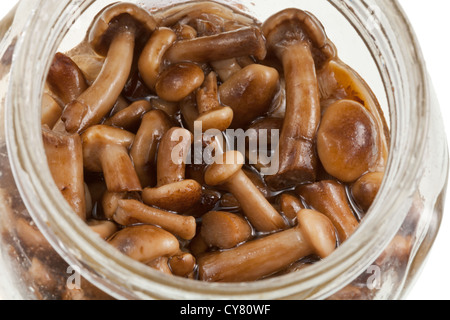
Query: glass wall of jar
45	246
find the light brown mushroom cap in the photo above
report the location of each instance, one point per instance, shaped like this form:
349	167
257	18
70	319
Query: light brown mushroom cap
293	25
219	119
96	138
318	230
176	196
145	243
218	173
99	35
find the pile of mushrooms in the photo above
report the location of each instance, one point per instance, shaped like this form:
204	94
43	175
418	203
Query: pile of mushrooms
119	106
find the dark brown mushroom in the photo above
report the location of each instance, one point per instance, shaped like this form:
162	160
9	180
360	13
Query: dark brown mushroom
330	198
298	40
105	149
250	93
173	192
129	118
366	188
315	234
65	159
113	34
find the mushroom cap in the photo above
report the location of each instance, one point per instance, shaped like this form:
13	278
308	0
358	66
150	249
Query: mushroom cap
96	137
177	196
348	141
101	34
219	119
318	230
224	168
293	25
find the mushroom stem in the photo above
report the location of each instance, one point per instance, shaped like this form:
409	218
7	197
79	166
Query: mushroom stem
65	160
227	45
132	211
330	198
257	209
265	256
95	103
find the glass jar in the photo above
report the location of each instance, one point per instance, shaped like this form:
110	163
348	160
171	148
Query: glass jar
45	247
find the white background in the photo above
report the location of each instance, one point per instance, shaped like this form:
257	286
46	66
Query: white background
431	22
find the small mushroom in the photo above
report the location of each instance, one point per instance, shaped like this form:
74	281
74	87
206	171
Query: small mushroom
298	40
154	126
151	59
347	141
104	228
226	68
65	79
182	264
228	173
212	114
173	192
51	111
130	117
113	35
366	188
290	206
145	243
224	230
161	264
132	212
65	160
110	202
222	46
105	149
178	81
170	108
330	198
253	260
250	93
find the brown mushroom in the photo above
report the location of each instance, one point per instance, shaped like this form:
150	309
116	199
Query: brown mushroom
330	198
65	79
104	228
151	59
161	264
105	149
250	93
226	68
182	264
113	34
212	114
227	172
347	141
130	117
178	81
315	234
298	40
132	212
51	111
366	188
173	192
65	160
154	126
110	202
145	243
241	42
224	230
290	206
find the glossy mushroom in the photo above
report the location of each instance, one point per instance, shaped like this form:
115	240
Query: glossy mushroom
212	114
151	59
228	173
131	212
365	189
65	160
145	243
154	126
51	111
330	198
315	234
173	192
241	42
105	149
250	93
113	35
298	40
348	141
130	117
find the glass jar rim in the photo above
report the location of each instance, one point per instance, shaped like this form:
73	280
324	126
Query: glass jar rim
125	278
